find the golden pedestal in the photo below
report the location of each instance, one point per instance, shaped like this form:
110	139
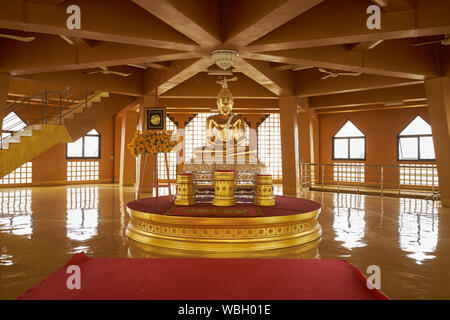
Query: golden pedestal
264	191
185	190
224	188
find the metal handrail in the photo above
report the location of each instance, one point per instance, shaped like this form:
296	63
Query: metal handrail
366	165
82	103
312	175
26	99
41	99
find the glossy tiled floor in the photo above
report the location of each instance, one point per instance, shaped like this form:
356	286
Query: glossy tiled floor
40	228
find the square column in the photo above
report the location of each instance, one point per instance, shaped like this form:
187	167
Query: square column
127	161
289	145
438	96
308	131
252	121
117	146
305	131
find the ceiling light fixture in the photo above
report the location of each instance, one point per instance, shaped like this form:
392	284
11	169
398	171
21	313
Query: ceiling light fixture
224	58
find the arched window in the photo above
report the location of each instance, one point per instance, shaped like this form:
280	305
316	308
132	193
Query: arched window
11	123
415	142
269	145
87	147
349	143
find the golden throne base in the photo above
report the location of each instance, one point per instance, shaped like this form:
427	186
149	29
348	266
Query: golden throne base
140	250
223	234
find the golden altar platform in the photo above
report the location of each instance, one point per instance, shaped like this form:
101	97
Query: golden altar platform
240	228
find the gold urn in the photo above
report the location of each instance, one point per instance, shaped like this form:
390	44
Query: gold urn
224	188
264	191
185	190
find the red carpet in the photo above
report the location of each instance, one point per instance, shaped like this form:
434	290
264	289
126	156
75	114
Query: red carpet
207	279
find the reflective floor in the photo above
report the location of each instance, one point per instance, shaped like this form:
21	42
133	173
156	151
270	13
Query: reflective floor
409	239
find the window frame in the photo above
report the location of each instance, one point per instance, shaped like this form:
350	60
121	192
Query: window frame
418	136
348	144
83	145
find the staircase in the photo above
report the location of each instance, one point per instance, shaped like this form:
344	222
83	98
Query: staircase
73	119
79	108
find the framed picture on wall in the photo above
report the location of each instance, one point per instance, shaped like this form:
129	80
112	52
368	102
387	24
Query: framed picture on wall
154	119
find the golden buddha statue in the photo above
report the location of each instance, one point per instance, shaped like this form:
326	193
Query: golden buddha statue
226	149
225	126
225	132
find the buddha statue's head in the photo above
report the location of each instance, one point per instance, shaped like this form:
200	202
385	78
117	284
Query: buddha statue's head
225	101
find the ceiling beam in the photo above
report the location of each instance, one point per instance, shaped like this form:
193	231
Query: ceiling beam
78	42
163	65
318	26
50	54
178	72
239	104
132	85
104	20
49	2
281	66
390	58
370	97
204	86
240	111
29	87
278	82
248	20
394	5
308	83
364	46
198	20
372	108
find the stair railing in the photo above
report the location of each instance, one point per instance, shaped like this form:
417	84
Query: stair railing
77	103
27	107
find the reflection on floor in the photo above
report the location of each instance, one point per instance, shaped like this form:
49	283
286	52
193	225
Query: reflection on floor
40	228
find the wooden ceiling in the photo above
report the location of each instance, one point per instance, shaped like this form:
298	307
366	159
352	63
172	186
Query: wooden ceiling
166	44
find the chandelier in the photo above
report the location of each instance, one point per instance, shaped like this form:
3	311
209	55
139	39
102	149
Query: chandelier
224	58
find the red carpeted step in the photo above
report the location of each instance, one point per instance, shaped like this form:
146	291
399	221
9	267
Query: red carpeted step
207	279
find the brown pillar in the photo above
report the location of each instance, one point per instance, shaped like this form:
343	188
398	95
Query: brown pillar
127	161
4	88
289	145
315	149
305	132
252	121
308	141
117	145
438	96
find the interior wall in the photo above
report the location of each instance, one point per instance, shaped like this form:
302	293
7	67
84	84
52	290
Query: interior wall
380	128
50	168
